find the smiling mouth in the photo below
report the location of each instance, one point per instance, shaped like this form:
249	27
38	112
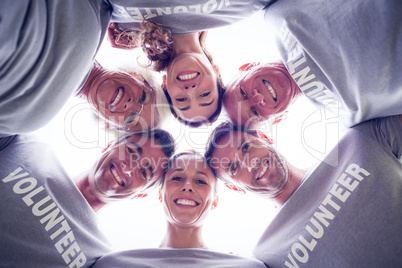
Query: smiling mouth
186	202
270	89
263	170
117	97
187	76
116	176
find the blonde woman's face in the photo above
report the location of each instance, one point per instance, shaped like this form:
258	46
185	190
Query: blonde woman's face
192	85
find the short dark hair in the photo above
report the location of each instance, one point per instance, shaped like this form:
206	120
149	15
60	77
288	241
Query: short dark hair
164	138
206	121
218	134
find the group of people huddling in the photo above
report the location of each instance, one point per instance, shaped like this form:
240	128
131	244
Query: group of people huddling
345	57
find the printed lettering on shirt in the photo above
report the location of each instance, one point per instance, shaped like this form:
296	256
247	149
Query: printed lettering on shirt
298	67
207	7
325	214
49	215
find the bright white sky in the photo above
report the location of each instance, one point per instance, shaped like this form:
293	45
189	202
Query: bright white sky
303	137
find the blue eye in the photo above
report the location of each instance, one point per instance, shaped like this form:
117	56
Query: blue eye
144	173
176	179
233	168
205	94
142	98
243	94
254	111
245	147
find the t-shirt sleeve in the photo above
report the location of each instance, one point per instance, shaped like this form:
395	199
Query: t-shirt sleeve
387	131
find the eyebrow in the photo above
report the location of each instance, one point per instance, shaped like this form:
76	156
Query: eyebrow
184	109
207	104
202	173
139	149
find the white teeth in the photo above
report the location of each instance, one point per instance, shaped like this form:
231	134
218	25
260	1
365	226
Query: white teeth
117	177
264	169
187	76
117	97
269	87
186	202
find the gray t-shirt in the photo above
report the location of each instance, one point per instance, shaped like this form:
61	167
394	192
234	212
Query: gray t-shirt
44	219
175	257
344	55
348	215
183	17
46	51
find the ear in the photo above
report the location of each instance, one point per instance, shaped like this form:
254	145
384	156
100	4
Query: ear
215	203
248	66
160	195
235	188
138	196
164	82
264	137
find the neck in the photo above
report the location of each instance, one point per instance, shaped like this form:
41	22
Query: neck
187	43
179	237
82	183
296	175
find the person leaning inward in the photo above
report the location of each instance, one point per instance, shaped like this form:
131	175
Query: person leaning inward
193	85
128	97
188	193
335	213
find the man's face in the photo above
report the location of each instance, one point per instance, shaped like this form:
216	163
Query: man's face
128	168
251	163
258	93
123	99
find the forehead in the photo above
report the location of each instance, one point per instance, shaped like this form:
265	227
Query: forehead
191	163
231	141
141	141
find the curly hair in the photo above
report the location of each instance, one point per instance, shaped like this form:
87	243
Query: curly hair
156	43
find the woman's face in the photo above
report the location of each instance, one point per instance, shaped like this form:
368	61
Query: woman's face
123	99
189	191
192	85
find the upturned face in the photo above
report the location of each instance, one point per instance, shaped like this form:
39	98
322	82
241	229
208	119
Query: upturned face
188	191
192	86
128	168
123	99
259	92
251	163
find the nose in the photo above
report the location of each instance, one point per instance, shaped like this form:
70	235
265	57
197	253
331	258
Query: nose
253	163
127	168
190	85
187	187
129	104
257	98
